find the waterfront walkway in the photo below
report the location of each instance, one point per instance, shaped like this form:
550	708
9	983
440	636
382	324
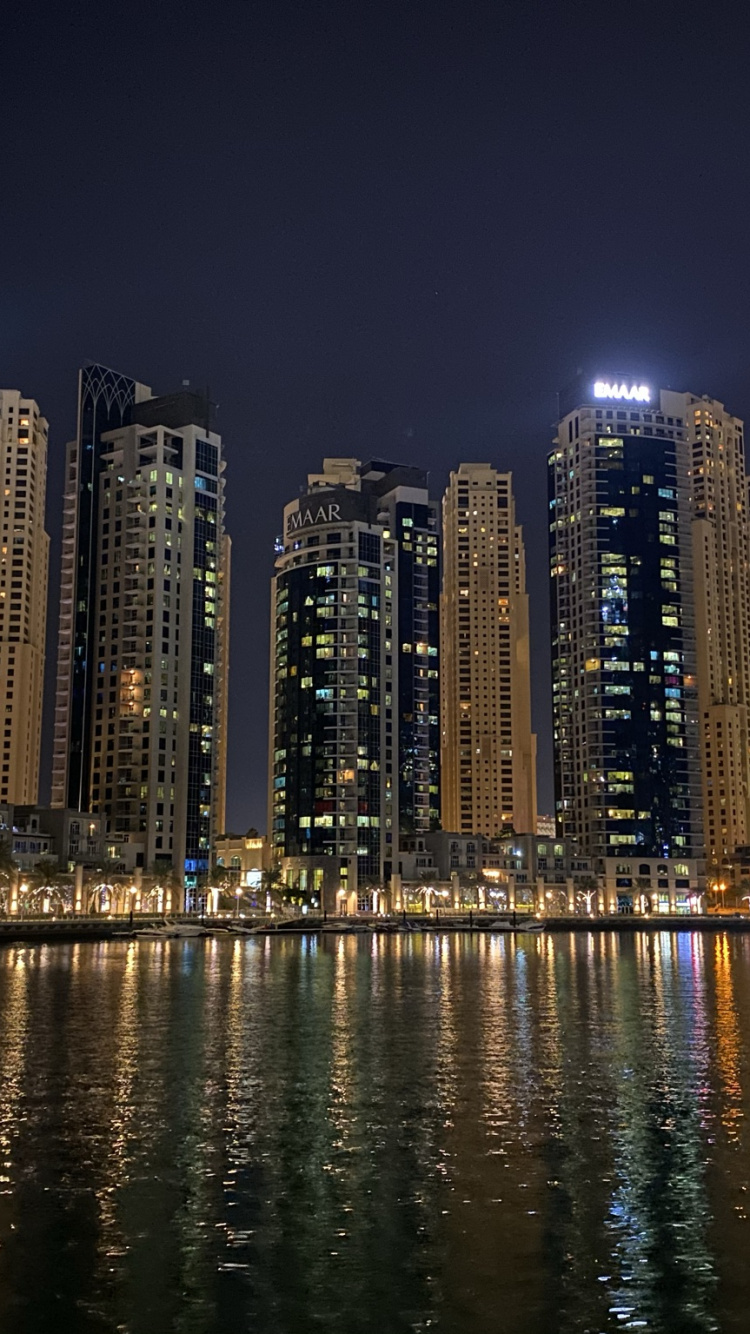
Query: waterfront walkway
39	929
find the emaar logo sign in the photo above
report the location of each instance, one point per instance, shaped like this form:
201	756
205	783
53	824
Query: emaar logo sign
628	393
311	515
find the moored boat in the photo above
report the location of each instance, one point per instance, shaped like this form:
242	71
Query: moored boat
170	930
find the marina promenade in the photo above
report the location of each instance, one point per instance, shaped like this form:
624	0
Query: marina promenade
31	929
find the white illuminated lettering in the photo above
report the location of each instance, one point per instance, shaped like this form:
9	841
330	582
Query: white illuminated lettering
634	393
307	518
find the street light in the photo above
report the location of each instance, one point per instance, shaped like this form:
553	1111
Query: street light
719	888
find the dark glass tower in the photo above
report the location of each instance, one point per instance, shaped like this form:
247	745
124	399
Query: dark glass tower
104	399
354	730
623	635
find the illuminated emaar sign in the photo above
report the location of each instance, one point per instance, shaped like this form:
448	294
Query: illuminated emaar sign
311	515
631	393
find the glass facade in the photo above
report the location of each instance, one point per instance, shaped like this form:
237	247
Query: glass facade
623	637
104	398
354	714
418	684
201	744
327	775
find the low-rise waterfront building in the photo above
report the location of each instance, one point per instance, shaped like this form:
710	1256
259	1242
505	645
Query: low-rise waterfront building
37	833
242	858
545	875
652	885
520	871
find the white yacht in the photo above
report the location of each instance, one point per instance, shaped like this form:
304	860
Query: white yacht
170	930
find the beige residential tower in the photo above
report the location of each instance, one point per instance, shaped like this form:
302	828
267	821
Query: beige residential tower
721	561
488	754
24	560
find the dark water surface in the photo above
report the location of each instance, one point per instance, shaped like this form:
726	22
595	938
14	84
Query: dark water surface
386	1134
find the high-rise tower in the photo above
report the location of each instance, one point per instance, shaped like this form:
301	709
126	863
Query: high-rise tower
154	726
104	399
354	732
488	758
623	632
24	561
721	558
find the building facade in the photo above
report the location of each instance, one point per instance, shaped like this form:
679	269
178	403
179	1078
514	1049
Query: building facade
721	560
652	885
626	740
242	858
24	564
354	726
152	736
35	834
488	756
104	400
519	872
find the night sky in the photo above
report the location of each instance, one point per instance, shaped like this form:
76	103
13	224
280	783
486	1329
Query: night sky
390	231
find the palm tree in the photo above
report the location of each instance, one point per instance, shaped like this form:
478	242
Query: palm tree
8	872
47	881
468	882
426	878
225	882
644	889
8	867
588	888
169	880
273	886
557	897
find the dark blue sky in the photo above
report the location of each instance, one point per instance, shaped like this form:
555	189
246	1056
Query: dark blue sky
393	230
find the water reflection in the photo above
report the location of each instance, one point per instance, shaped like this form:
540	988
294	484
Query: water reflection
467	1133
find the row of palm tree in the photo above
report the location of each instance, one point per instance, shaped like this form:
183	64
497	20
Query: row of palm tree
104	887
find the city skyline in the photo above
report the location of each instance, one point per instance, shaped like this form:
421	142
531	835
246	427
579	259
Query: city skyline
247	783
387	292
714	412
388	368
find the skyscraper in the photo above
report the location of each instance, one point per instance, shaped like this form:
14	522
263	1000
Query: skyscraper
153	729
623	633
221	712
721	556
24	561
104	399
354	731
488	758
